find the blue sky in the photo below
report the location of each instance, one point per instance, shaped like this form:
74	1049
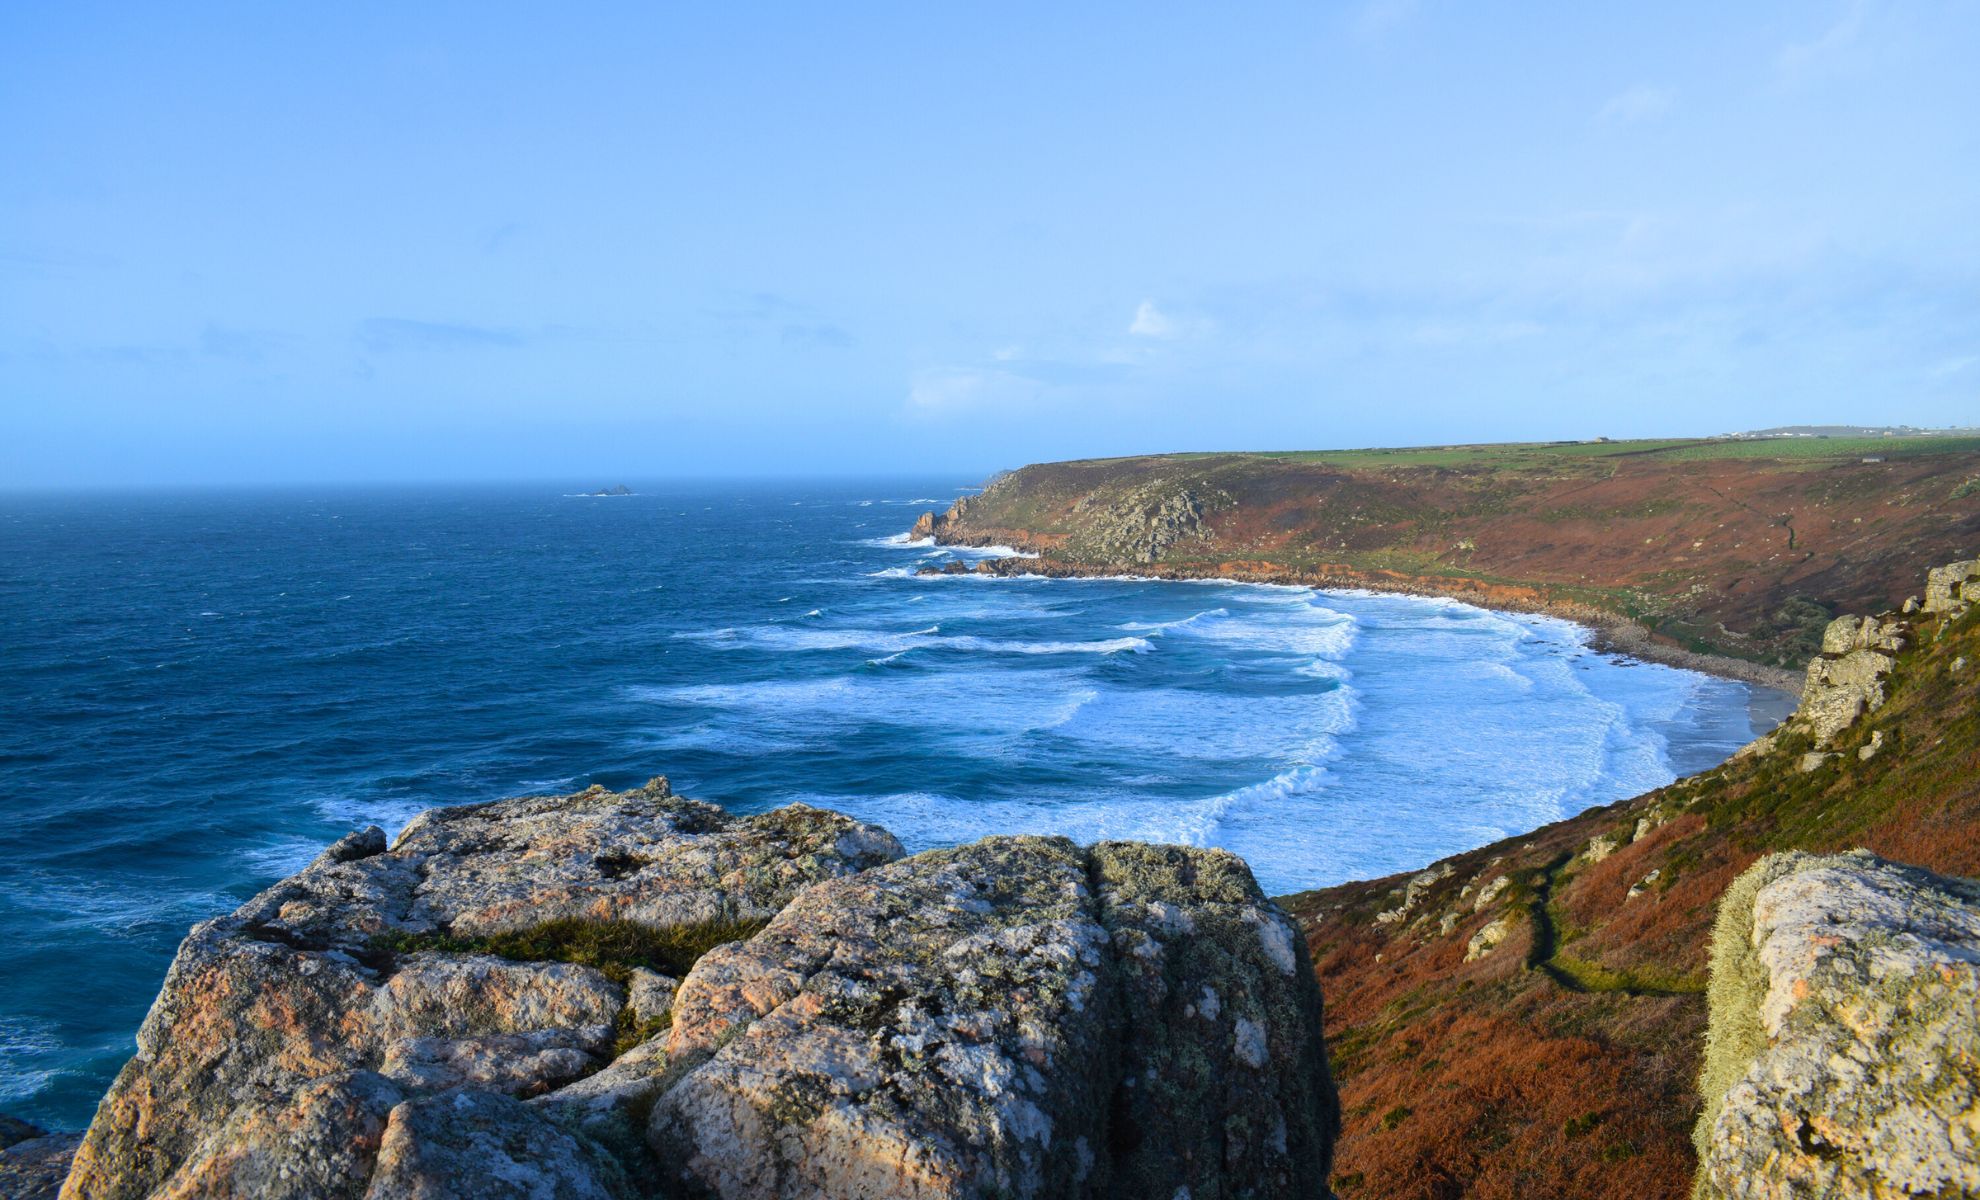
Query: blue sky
262	242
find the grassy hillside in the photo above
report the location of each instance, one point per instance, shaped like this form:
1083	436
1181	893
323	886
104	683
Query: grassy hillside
1563	1062
1734	547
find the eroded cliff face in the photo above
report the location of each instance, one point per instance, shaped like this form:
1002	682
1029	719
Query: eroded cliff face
621	995
1844	1047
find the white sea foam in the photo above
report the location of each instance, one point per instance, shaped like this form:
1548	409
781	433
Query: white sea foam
926	820
1283	722
284	856
970	553
23	1039
356	812
1015	646
877	641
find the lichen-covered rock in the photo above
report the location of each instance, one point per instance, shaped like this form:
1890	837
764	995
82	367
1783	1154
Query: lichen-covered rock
33	1164
1848	633
650	857
1224	1086
1952	588
1491	892
433	995
324	973
474	1012
236	1019
1413	892
931	1028
1842	688
469	1145
316	1139
515	1064
1851	676
1015	1017
650	995
1489	938
1844	1050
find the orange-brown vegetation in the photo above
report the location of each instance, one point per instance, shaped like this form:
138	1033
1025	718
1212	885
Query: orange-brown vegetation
1564	1062
1739	549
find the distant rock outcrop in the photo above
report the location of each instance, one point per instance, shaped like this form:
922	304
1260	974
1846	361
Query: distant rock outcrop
489	1008
1843	1056
1139	526
1953	588
931	524
1849	677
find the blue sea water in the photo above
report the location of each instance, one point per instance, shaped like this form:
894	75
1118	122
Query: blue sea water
202	689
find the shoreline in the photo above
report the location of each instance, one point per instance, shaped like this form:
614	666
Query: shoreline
1609	633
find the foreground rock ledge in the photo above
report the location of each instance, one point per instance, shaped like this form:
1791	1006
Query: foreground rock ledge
1843	1056
633	994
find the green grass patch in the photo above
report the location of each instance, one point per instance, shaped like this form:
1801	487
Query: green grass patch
1546	455
1594	977
613	947
633	1032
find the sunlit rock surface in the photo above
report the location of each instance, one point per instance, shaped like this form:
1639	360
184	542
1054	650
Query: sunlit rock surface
618	995
1844	1051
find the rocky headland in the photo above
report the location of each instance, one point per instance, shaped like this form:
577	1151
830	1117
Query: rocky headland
1729	556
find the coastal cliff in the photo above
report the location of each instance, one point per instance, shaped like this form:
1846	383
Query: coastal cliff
1531	1018
633	994
1740	550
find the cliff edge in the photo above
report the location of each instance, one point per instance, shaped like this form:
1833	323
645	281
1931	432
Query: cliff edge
618	995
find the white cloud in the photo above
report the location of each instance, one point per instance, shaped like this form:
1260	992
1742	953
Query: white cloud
1640	103
1150	322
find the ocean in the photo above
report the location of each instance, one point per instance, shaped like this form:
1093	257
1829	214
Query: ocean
204	688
